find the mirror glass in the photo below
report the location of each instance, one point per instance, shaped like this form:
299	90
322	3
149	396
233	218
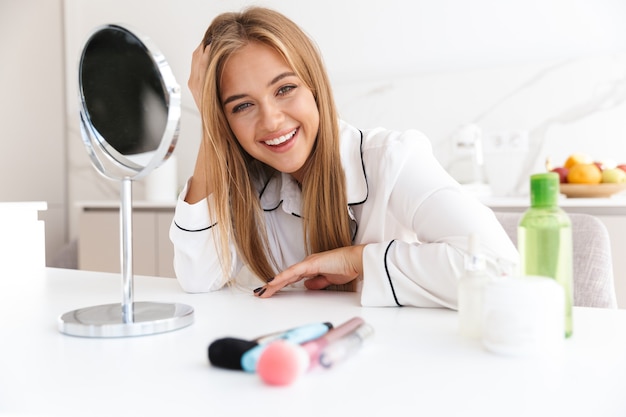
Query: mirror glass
130	103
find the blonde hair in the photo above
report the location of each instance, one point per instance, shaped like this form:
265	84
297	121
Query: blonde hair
233	174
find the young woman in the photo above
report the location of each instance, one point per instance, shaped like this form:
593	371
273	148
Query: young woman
282	186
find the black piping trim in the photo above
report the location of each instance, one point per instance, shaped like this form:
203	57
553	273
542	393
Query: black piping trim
265	186
393	291
274	208
367	193
199	230
263	192
356	229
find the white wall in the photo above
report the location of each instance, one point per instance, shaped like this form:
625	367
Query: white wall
433	65
32	111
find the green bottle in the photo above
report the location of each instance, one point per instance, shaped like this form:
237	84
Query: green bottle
544	238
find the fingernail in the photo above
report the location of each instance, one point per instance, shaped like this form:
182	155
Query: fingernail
260	293
270	279
256	290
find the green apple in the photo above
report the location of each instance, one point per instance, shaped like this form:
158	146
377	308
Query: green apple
613	175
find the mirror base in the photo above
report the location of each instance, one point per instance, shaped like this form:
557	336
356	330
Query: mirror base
107	320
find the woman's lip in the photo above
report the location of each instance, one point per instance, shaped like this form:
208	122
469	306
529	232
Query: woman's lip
281	140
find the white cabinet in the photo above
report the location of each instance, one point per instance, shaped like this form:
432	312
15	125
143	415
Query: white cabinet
611	211
99	238
22	241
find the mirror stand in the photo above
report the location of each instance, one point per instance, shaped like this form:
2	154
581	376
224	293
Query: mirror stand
129	318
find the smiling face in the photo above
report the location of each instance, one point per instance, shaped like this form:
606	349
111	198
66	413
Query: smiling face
270	110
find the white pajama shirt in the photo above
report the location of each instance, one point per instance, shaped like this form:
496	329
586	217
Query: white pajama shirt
414	218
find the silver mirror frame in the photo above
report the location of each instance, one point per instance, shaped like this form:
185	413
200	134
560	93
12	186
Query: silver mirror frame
129	318
108	161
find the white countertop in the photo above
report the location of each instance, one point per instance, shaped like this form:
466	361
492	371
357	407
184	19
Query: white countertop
615	205
115	205
18	211
563	201
416	364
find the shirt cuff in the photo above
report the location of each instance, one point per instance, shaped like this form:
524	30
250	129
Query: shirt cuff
377	289
194	216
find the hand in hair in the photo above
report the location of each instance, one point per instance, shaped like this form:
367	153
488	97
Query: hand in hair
333	267
199	65
198	188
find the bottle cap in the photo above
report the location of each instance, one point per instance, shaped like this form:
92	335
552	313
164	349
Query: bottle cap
544	189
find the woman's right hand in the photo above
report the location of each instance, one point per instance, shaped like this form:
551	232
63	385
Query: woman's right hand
199	66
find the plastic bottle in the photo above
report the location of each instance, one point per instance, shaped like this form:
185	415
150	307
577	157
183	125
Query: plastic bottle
470	291
545	238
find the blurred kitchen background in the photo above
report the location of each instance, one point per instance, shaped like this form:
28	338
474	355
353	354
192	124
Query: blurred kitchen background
498	86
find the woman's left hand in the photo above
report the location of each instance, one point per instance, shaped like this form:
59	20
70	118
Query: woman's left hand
337	266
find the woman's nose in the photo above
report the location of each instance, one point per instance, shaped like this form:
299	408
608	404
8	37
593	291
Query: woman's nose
271	116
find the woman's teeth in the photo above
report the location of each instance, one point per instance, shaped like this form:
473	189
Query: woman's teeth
280	139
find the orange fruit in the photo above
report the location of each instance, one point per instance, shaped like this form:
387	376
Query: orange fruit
584	174
577	158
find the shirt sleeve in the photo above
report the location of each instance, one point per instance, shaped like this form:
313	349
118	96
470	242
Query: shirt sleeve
196	261
423	270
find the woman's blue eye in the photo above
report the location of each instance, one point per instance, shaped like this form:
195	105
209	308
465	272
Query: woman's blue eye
241	107
285	89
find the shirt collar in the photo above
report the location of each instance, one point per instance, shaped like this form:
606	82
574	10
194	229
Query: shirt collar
282	190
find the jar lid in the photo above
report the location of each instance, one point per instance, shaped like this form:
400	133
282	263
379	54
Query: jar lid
523	316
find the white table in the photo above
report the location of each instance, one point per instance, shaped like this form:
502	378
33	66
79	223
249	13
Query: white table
415	364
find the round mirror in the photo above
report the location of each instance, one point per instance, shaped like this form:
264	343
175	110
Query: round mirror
130	103
129	118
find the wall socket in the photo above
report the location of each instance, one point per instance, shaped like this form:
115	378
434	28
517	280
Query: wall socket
467	140
506	141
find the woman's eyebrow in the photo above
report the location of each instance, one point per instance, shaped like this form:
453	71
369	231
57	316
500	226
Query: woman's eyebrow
233	98
280	77
274	81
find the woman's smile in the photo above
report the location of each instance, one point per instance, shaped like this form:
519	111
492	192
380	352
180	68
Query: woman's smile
283	143
281	139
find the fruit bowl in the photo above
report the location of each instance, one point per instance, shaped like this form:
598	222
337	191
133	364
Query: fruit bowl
591	190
